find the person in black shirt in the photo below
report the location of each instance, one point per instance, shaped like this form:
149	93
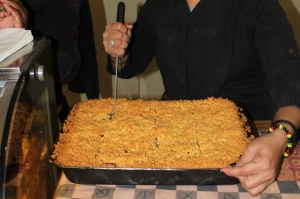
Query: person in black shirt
243	50
69	26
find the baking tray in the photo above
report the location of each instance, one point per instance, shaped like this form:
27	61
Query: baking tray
148	176
138	176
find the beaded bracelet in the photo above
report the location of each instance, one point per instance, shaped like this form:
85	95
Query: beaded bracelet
287	122
289	147
296	131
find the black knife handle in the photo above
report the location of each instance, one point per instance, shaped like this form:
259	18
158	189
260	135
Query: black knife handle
121	12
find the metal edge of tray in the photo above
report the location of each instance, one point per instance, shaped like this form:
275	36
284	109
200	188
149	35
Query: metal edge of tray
144	176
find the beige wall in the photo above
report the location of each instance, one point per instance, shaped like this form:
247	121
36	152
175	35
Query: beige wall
292	9
149	85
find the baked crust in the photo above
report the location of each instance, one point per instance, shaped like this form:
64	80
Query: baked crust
208	133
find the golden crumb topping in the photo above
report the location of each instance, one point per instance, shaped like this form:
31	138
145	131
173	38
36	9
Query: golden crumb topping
208	133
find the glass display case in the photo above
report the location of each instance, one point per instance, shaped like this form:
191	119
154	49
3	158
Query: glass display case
28	123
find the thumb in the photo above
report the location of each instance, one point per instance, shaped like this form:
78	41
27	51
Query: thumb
129	25
3	13
6	7
240	162
129	34
6	22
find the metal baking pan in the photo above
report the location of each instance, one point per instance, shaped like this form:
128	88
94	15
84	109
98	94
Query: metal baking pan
148	176
126	176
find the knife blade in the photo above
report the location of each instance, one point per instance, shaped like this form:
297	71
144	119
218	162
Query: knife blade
120	18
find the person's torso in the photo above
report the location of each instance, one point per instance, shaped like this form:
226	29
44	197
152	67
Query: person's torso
219	56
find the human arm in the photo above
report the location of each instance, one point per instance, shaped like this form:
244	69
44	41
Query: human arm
14	14
258	166
279	55
63	20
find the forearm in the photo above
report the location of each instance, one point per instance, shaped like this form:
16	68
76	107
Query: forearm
68	64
